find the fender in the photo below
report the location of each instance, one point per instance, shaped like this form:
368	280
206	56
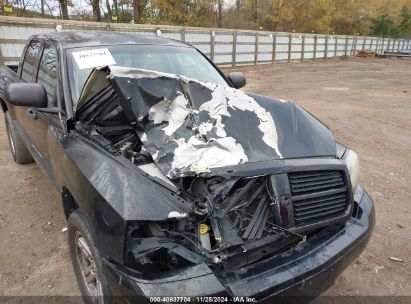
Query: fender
109	191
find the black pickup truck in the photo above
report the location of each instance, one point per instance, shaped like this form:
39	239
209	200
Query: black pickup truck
176	183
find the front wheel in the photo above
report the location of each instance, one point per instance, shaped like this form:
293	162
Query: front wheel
21	154
86	259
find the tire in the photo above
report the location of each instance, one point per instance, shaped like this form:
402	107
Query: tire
80	237
21	154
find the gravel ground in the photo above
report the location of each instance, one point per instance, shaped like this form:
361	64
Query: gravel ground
366	102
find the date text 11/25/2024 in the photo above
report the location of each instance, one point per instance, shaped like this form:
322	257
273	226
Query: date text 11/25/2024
222	299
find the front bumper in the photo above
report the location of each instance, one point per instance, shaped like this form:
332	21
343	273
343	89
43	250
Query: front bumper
307	270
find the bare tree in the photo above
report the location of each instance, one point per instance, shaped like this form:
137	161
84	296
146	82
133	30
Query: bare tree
50	8
220	13
42	8
139	6
109	12
22	4
95	5
115	4
238	5
255	10
63	9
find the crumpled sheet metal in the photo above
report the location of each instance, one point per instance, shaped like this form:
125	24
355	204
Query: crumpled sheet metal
191	127
202	142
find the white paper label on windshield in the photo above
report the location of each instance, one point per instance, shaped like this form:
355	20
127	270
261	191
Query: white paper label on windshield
93	58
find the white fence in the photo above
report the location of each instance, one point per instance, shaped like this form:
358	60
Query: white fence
226	47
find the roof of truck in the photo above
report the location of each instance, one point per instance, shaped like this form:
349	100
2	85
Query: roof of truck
97	38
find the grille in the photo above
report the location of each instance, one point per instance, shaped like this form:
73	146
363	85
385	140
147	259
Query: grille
318	195
249	209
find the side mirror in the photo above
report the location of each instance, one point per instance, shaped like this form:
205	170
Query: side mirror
237	79
26	95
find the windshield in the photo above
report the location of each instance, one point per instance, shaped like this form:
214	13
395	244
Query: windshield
184	61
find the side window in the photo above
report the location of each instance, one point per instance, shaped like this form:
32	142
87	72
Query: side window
30	61
47	74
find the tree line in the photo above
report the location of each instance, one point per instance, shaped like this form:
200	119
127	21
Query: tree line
386	18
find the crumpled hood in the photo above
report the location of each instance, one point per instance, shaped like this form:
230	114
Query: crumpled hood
191	127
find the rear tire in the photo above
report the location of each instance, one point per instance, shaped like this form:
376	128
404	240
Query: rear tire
86	260
21	154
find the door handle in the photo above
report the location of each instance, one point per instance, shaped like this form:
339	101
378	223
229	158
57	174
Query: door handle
31	113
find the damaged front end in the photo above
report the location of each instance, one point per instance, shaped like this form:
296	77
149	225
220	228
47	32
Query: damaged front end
239	221
259	179
241	248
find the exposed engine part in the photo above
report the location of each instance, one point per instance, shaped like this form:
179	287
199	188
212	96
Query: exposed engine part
246	212
120	139
205	236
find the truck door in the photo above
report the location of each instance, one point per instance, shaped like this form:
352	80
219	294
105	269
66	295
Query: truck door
37	123
42	121
27	72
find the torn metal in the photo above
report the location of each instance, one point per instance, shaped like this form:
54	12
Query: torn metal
192	128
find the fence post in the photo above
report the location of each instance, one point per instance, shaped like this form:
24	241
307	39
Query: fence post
234	56
363	43
274	46
335	46
376	46
302	47
346	46
315	48
354	50
212	35
183	34
382	45
387	49
257	40
326	47
290	42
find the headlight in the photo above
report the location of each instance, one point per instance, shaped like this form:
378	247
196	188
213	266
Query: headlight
353	165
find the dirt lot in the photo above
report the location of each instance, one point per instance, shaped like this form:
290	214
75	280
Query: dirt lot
366	102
